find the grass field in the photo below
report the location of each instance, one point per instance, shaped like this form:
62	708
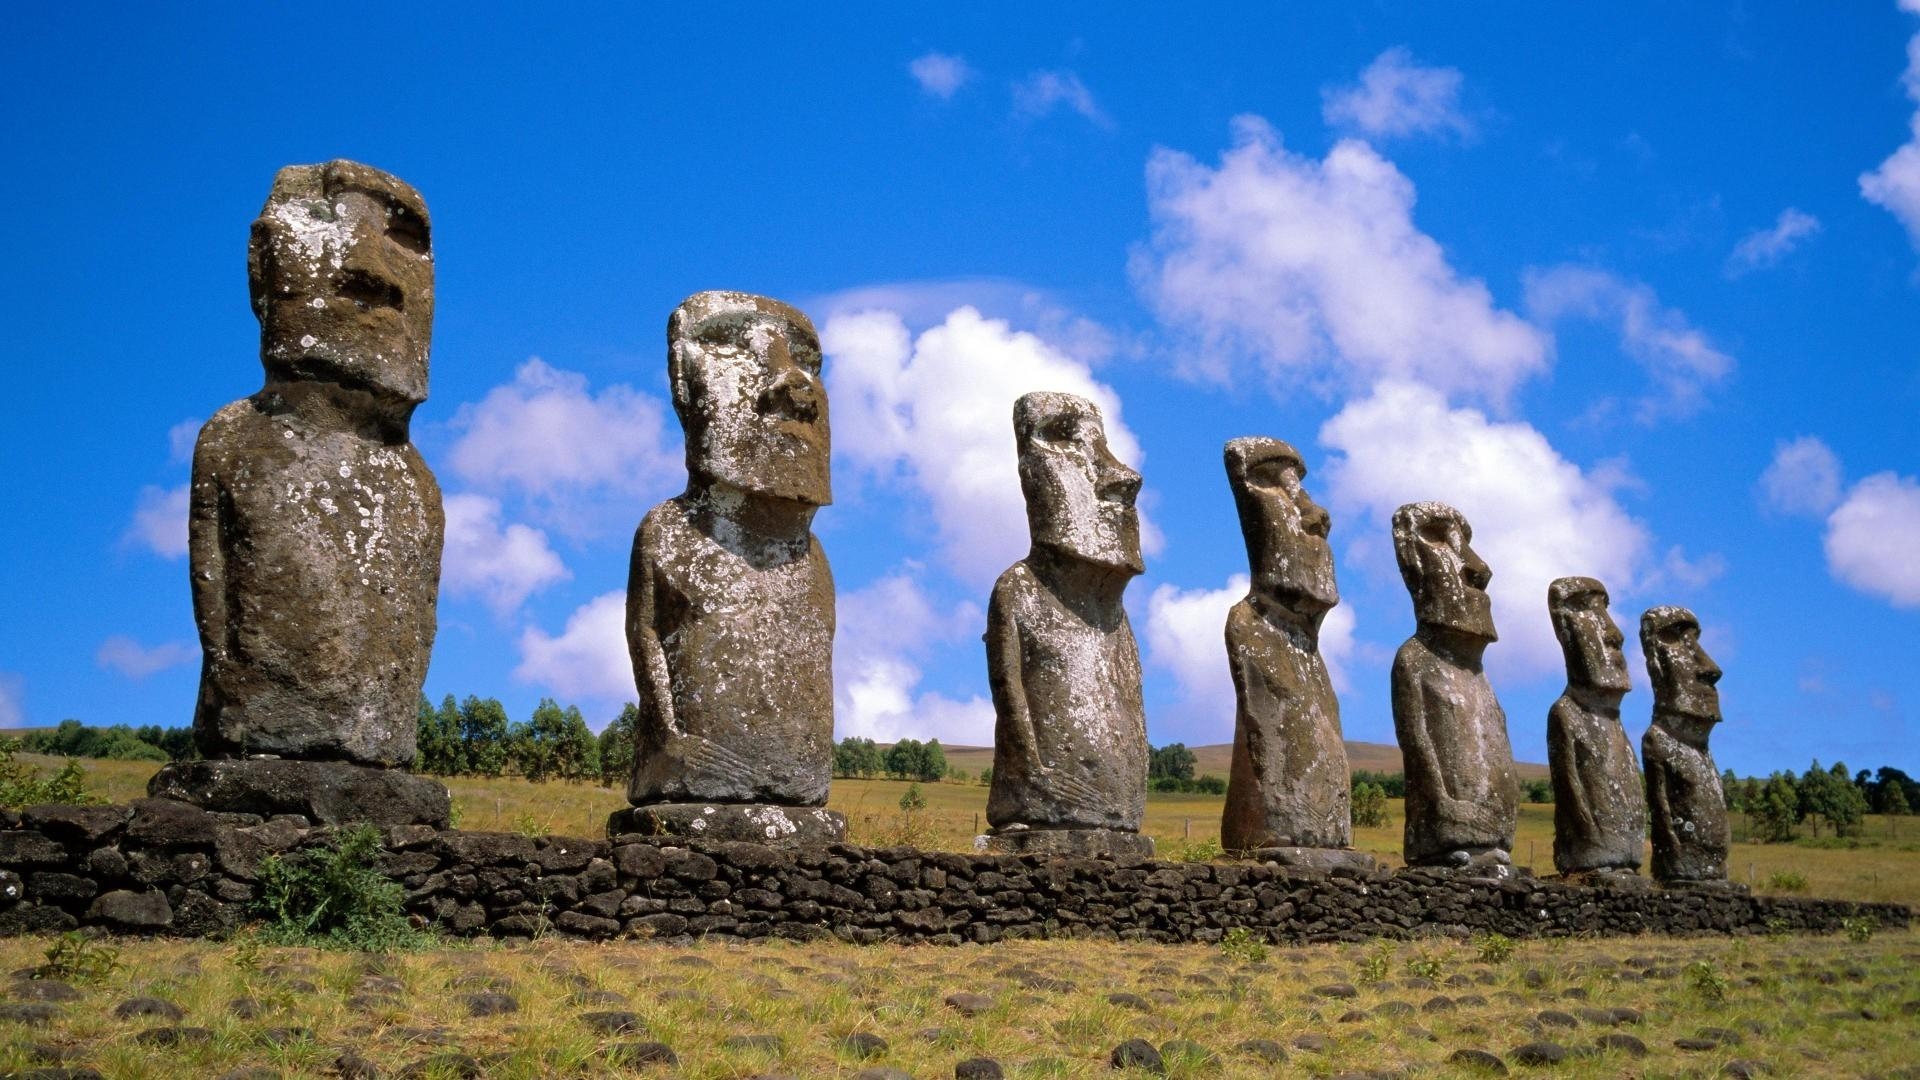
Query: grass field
1883	864
1621	1007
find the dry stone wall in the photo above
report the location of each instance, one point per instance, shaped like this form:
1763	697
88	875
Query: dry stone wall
163	867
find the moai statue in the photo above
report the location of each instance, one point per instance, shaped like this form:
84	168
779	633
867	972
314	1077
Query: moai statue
1599	812
315	527
1070	731
1462	800
1690	829
729	597
1288	796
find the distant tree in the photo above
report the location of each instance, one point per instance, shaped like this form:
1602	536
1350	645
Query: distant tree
912	799
176	741
555	744
933	762
1887	778
1894	805
986	776
903	759
483	736
616	747
855	756
1394	784
440	749
1538	791
1172	761
1730	790
1777	810
1369	805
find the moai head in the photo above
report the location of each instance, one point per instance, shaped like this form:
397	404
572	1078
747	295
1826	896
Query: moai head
340	268
1286	531
1588	635
1684	677
746	383
1448	580
1079	496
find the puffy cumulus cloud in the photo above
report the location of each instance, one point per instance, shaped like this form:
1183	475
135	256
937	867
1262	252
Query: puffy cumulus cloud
1316	272
588	659
13	693
502	566
884	630
134	660
181	438
1044	91
939	74
1895	184
1803	479
1397	95
1536	516
1680	359
160	521
1762	248
1870	535
937	412
548	437
1186	637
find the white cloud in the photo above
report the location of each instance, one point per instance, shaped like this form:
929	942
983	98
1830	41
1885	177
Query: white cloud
502	566
1803	479
1870	542
134	660
939	74
1316	270
1895	184
1398	96
1535	515
1762	248
1044	91
160	521
13	690
884	630
1680	359
180	439
937	412
548	437
588	660
1692	573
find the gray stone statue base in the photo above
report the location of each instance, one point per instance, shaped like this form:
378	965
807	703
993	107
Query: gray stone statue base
1490	865
324	792
1310	858
1621	879
1083	843
759	823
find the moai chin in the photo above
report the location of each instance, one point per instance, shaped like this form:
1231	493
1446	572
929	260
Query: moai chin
1462	800
1599	811
1070	731
1288	796
315	526
1684	797
729	597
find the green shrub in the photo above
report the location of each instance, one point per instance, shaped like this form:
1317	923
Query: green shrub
1369	807
1243	945
1706	981
1426	966
1787	881
1859	927
1493	948
336	897
22	785
1378	963
74	957
1201	851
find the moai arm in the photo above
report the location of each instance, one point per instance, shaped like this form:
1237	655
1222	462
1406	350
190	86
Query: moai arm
1658	810
1564	747
1004	679
206	554
1416	739
643	633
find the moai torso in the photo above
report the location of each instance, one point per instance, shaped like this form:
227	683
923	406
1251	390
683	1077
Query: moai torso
1289	785
1685	800
315	527
1462	799
1599	811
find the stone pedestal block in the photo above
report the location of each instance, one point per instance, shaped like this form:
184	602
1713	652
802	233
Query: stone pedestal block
324	792
1081	843
1328	859
759	823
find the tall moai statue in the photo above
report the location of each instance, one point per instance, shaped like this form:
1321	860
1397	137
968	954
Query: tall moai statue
1288	795
315	526
729	597
1689	810
1070	730
1599	810
1462	799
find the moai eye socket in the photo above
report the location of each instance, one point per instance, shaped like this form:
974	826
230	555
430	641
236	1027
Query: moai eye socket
407	229
1437	531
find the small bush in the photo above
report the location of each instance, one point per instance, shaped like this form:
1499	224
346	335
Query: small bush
1201	851
913	799
1243	945
1706	981
1778	929
74	957
336	897
1426	966
1859	927
1493	948
1787	881
1368	809
22	785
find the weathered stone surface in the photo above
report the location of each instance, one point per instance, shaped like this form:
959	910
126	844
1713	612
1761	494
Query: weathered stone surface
70	822
1083	843
1289	786
1070	733
1462	799
730	612
1323	859
758	823
1599	806
129	910
1684	799
314	526
324	792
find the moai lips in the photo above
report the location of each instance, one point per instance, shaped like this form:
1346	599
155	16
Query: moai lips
1599	811
1687	805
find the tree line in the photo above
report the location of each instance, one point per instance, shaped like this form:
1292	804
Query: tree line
149	742
1777	806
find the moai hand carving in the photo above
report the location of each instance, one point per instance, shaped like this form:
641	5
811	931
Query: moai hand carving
1599	811
1462	799
1689	811
730	612
1289	791
315	527
1070	736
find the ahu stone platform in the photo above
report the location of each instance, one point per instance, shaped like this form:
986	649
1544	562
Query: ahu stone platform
162	867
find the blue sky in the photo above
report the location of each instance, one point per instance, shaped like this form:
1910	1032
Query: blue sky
1633	286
